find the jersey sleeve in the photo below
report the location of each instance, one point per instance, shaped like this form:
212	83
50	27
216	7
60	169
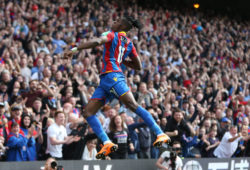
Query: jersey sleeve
109	35
133	52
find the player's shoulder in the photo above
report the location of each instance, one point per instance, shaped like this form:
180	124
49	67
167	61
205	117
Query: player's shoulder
124	38
106	33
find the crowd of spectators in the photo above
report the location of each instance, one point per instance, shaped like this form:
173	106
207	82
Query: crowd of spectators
195	83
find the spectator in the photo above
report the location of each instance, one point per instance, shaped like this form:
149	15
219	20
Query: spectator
145	140
165	162
57	136
33	93
177	126
3	121
17	144
120	136
58	43
229	140
213	141
242	146
16	112
49	163
90	150
133	133
28	130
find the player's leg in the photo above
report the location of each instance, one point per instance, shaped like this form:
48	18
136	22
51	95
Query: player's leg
96	102
91	108
129	101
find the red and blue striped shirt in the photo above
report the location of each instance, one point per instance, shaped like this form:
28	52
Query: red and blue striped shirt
115	51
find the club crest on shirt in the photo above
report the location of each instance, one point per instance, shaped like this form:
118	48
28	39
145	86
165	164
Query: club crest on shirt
124	39
115	78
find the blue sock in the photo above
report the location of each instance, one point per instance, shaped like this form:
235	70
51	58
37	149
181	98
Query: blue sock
148	119
95	124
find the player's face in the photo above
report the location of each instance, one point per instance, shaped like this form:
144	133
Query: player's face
116	25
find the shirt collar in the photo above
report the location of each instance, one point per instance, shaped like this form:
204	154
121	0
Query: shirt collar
123	32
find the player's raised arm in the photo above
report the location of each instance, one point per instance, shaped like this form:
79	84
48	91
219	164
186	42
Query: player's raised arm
85	45
93	43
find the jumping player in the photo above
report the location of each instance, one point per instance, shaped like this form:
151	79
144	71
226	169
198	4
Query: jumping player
117	49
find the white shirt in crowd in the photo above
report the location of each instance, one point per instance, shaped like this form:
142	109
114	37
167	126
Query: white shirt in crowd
167	164
58	132
226	149
86	154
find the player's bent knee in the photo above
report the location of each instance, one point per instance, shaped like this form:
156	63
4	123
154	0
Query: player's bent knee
132	106
88	113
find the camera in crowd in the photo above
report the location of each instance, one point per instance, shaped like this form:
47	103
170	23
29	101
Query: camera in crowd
80	130
51	164
55	166
173	153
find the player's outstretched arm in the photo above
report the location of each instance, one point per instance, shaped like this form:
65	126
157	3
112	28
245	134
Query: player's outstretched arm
85	45
134	63
93	43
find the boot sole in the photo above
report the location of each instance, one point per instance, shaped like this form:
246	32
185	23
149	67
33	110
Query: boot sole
103	155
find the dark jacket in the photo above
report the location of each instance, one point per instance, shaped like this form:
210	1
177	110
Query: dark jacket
134	136
182	128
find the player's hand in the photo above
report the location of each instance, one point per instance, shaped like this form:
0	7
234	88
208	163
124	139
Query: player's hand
68	54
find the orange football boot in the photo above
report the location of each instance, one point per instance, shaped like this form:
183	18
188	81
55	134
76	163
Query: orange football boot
160	140
106	150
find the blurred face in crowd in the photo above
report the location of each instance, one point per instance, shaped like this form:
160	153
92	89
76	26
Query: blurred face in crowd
40	62
2	110
91	144
5	77
3	87
47	72
118	121
247	110
23	62
129	120
178	116
185	106
60	119
164	121
16	113
155	102
233	130
218	113
26	121
213	133
67	107
58	75
54	68
199	97
229	113
33	85
177	147
157	78
207	123
245	121
15	129
143	88
111	113
37	104
72	100
244	130
191	109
